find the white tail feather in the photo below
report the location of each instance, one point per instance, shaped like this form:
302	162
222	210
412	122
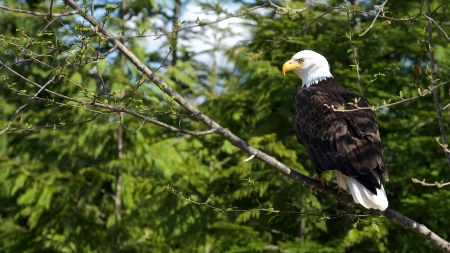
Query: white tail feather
361	195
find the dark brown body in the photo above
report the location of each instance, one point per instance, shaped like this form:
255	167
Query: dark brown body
346	141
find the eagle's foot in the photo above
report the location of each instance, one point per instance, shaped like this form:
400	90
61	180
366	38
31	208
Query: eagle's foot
320	178
312	191
339	189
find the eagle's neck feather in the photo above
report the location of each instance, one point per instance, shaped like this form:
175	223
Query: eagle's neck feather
314	76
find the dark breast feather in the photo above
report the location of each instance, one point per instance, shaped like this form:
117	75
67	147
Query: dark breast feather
346	141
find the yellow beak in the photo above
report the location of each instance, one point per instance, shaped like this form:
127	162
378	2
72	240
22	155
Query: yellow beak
290	65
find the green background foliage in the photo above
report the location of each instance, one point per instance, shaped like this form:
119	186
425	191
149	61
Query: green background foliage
59	183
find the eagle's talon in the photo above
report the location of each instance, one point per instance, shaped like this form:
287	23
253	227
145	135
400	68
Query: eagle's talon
339	189
319	177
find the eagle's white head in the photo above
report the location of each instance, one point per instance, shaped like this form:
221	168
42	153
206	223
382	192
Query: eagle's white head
310	66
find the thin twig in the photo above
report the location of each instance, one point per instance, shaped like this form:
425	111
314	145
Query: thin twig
354	52
268	210
437	184
438	26
374	108
40	14
437	8
445	107
376	16
250	158
343	7
276	6
113	109
443	146
256	196
55	126
200	24
29	101
50	9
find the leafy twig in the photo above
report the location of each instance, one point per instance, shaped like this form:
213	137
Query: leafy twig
338	214
41	14
437	184
381	7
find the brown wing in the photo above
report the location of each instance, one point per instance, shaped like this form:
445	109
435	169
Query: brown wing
345	141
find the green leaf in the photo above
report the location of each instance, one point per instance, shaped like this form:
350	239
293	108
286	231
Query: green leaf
111	7
19	183
375	226
271	218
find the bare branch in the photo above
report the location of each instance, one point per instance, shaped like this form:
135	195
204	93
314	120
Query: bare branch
439	6
438	26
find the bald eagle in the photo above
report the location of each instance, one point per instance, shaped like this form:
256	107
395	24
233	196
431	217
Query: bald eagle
345	140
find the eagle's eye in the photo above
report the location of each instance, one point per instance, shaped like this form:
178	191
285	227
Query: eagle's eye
301	60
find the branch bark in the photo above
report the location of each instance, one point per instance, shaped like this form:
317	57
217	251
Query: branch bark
391	214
